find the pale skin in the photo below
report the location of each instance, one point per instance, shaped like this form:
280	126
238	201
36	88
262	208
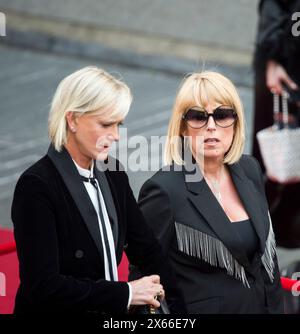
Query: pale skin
90	137
214	168
276	75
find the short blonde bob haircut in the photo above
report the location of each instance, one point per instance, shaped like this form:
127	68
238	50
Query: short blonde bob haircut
89	90
198	89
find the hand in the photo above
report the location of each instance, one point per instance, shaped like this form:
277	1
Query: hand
146	291
276	76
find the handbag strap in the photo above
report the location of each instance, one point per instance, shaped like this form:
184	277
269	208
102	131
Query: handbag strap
275	111
284	107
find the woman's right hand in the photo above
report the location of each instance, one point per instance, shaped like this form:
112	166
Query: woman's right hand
146	290
276	76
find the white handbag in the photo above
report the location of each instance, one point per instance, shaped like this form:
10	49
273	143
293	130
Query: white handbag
280	148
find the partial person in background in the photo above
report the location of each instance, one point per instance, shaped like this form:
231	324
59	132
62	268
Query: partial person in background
276	66
215	229
72	219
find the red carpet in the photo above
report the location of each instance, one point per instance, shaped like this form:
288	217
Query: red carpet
9	267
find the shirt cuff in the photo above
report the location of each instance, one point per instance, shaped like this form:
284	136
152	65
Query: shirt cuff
130	295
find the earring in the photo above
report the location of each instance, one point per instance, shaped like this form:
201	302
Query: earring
73	130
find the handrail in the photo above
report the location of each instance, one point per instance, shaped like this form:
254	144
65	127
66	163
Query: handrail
290	284
7	248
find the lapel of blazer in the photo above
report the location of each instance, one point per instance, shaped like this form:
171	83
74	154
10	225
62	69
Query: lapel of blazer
253	202
109	202
205	202
66	168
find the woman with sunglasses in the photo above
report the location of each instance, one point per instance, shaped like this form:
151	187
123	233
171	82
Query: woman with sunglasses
208	206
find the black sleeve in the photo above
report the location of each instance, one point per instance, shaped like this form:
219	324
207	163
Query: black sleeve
156	207
145	253
273	30
273	289
33	216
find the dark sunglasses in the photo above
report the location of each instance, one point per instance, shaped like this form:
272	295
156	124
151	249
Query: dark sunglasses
197	117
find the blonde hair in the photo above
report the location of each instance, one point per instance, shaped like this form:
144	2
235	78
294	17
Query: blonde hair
198	89
89	90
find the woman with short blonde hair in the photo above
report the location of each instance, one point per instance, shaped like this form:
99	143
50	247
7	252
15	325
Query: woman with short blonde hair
90	90
198	89
214	228
72	220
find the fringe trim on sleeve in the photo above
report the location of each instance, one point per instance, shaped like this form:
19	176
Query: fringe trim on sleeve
209	249
269	253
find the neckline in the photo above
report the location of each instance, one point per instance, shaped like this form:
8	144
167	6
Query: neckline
240	221
219	204
84	172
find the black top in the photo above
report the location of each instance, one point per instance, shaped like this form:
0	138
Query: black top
247	234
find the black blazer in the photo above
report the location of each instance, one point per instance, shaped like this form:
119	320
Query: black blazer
207	255
59	244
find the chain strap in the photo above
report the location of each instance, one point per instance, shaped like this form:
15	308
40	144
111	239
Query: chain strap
285	109
276	103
